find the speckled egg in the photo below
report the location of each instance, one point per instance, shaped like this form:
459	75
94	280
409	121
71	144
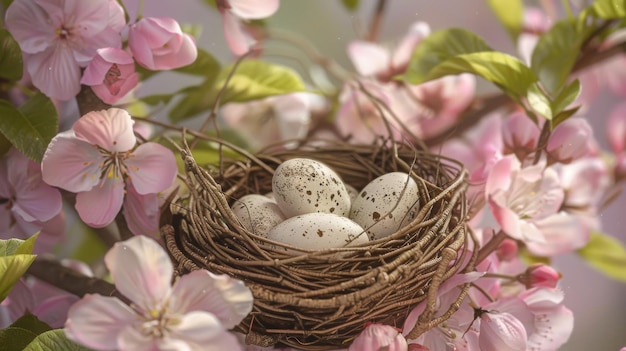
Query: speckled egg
382	207
303	185
318	231
257	213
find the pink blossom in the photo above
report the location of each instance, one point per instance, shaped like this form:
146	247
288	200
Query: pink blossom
160	44
507	250
570	140
111	74
233	12
27	204
450	335
98	157
373	60
379	337
59	37
520	198
552	324
192	314
274	119
501	328
535	23
440	102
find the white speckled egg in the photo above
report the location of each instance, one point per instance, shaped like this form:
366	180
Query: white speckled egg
318	231
381	207
303	185
257	213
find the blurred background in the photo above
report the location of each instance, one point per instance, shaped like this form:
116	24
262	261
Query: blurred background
598	303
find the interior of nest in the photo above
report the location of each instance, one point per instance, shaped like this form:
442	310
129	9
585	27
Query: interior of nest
319	300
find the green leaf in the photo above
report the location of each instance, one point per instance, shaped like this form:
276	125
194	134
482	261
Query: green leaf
539	102
30	322
256	79
350	5
506	71
11	270
563	115
439	47
605	254
555	55
5	145
17	246
30	127
14	338
510	13
196	99
205	65
566	96
54	340
10	57
609	9
157	99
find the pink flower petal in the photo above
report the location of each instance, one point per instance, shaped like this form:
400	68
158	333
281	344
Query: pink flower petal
185	55
141	271
368	58
378	337
501	174
152	168
203	331
563	233
238	41
502	332
554	323
141	212
253	9
34	199
71	164
402	54
99	206
97	69
20	17
96	321
110	129
55	72
54	310
228	299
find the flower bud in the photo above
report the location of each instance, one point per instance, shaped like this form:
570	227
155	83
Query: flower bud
507	250
520	135
111	74
570	140
160	44
539	276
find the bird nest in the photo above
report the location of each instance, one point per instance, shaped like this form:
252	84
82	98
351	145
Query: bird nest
318	300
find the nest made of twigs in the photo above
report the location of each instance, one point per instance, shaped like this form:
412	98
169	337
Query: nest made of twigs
323	300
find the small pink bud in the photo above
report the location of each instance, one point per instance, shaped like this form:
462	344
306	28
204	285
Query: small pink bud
539	276
570	140
111	74
520	135
507	250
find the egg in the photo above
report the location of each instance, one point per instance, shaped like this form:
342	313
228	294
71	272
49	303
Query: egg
318	231
303	185
382	206
257	213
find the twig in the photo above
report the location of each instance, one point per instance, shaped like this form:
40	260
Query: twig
491	246
377	19
88	101
52	272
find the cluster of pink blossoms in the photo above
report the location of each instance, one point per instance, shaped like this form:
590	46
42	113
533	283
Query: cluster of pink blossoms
60	38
